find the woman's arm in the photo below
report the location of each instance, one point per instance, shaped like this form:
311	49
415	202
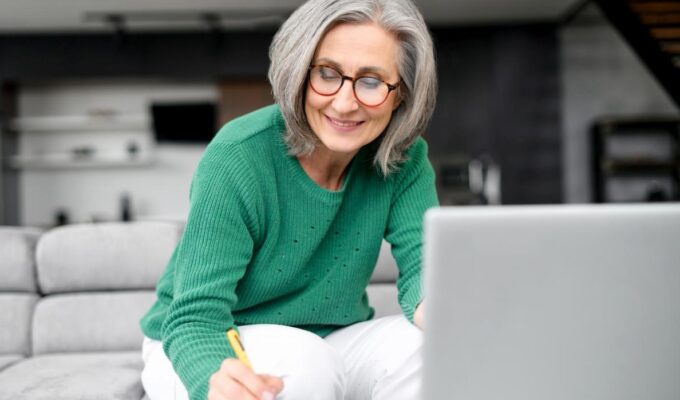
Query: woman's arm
414	193
212	256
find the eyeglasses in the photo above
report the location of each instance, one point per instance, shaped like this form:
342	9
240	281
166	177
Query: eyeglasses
368	90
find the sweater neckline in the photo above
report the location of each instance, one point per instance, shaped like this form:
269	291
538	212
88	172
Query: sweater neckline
308	184
313	188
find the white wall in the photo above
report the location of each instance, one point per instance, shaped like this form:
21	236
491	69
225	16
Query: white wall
600	76
159	190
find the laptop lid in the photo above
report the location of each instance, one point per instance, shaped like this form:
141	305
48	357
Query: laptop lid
552	302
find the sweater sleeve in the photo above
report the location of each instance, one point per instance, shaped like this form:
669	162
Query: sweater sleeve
414	193
211	257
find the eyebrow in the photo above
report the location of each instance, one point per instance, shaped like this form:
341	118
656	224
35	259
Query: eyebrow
362	70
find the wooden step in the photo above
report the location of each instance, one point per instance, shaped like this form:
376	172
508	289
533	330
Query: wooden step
671	47
660	19
665	33
655	6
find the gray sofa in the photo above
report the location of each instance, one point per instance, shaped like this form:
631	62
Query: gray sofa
70	303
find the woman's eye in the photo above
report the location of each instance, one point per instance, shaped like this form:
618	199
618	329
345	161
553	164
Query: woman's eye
327	73
368	82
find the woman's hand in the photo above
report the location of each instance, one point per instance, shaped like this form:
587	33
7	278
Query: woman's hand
236	381
418	316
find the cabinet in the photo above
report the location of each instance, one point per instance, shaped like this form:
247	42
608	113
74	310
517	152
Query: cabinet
636	159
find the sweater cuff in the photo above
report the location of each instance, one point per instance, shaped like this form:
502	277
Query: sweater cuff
411	299
195	365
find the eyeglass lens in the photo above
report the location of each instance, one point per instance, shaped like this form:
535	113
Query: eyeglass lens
368	90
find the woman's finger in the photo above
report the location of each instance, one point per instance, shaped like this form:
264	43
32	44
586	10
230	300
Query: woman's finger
223	387
274	383
225	384
245	376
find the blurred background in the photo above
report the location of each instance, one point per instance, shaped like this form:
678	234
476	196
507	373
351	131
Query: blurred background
106	106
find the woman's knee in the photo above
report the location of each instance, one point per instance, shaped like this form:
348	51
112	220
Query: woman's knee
158	376
310	367
397	372
316	373
404	346
388	343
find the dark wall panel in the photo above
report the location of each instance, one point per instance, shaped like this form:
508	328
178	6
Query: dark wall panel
9	182
498	94
170	55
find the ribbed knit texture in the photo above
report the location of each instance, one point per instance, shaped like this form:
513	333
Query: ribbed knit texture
265	244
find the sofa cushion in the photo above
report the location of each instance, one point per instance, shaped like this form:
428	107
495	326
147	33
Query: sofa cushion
16	312
17	265
386	267
7	360
383	298
82	322
107	256
95	376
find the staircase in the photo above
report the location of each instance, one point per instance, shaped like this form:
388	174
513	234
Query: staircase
652	28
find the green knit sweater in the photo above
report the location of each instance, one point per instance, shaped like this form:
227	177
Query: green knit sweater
264	243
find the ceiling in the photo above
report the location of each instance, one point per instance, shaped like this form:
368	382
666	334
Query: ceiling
81	15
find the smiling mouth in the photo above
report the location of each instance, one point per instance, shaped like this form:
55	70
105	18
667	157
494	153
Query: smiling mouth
343	124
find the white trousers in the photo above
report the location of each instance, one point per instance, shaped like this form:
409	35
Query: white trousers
378	359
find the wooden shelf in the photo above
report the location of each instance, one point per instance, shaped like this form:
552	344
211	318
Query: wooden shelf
68	161
650	124
639	167
82	123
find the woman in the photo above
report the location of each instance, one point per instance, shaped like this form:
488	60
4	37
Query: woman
289	206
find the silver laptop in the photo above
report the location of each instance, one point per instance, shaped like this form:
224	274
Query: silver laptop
552	303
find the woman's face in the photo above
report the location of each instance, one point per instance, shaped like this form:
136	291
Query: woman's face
340	121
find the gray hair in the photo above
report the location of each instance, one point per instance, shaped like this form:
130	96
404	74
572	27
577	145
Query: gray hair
294	46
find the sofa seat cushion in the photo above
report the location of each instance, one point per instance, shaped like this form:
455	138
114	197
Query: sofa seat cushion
82	376
8	359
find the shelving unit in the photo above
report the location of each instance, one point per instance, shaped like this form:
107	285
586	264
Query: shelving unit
462	180
641	152
67	161
87	151
100	122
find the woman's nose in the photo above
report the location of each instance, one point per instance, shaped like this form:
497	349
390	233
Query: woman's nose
344	101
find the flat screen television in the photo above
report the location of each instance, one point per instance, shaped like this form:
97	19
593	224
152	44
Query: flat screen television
184	122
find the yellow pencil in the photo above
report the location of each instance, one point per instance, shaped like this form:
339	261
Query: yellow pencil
235	342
